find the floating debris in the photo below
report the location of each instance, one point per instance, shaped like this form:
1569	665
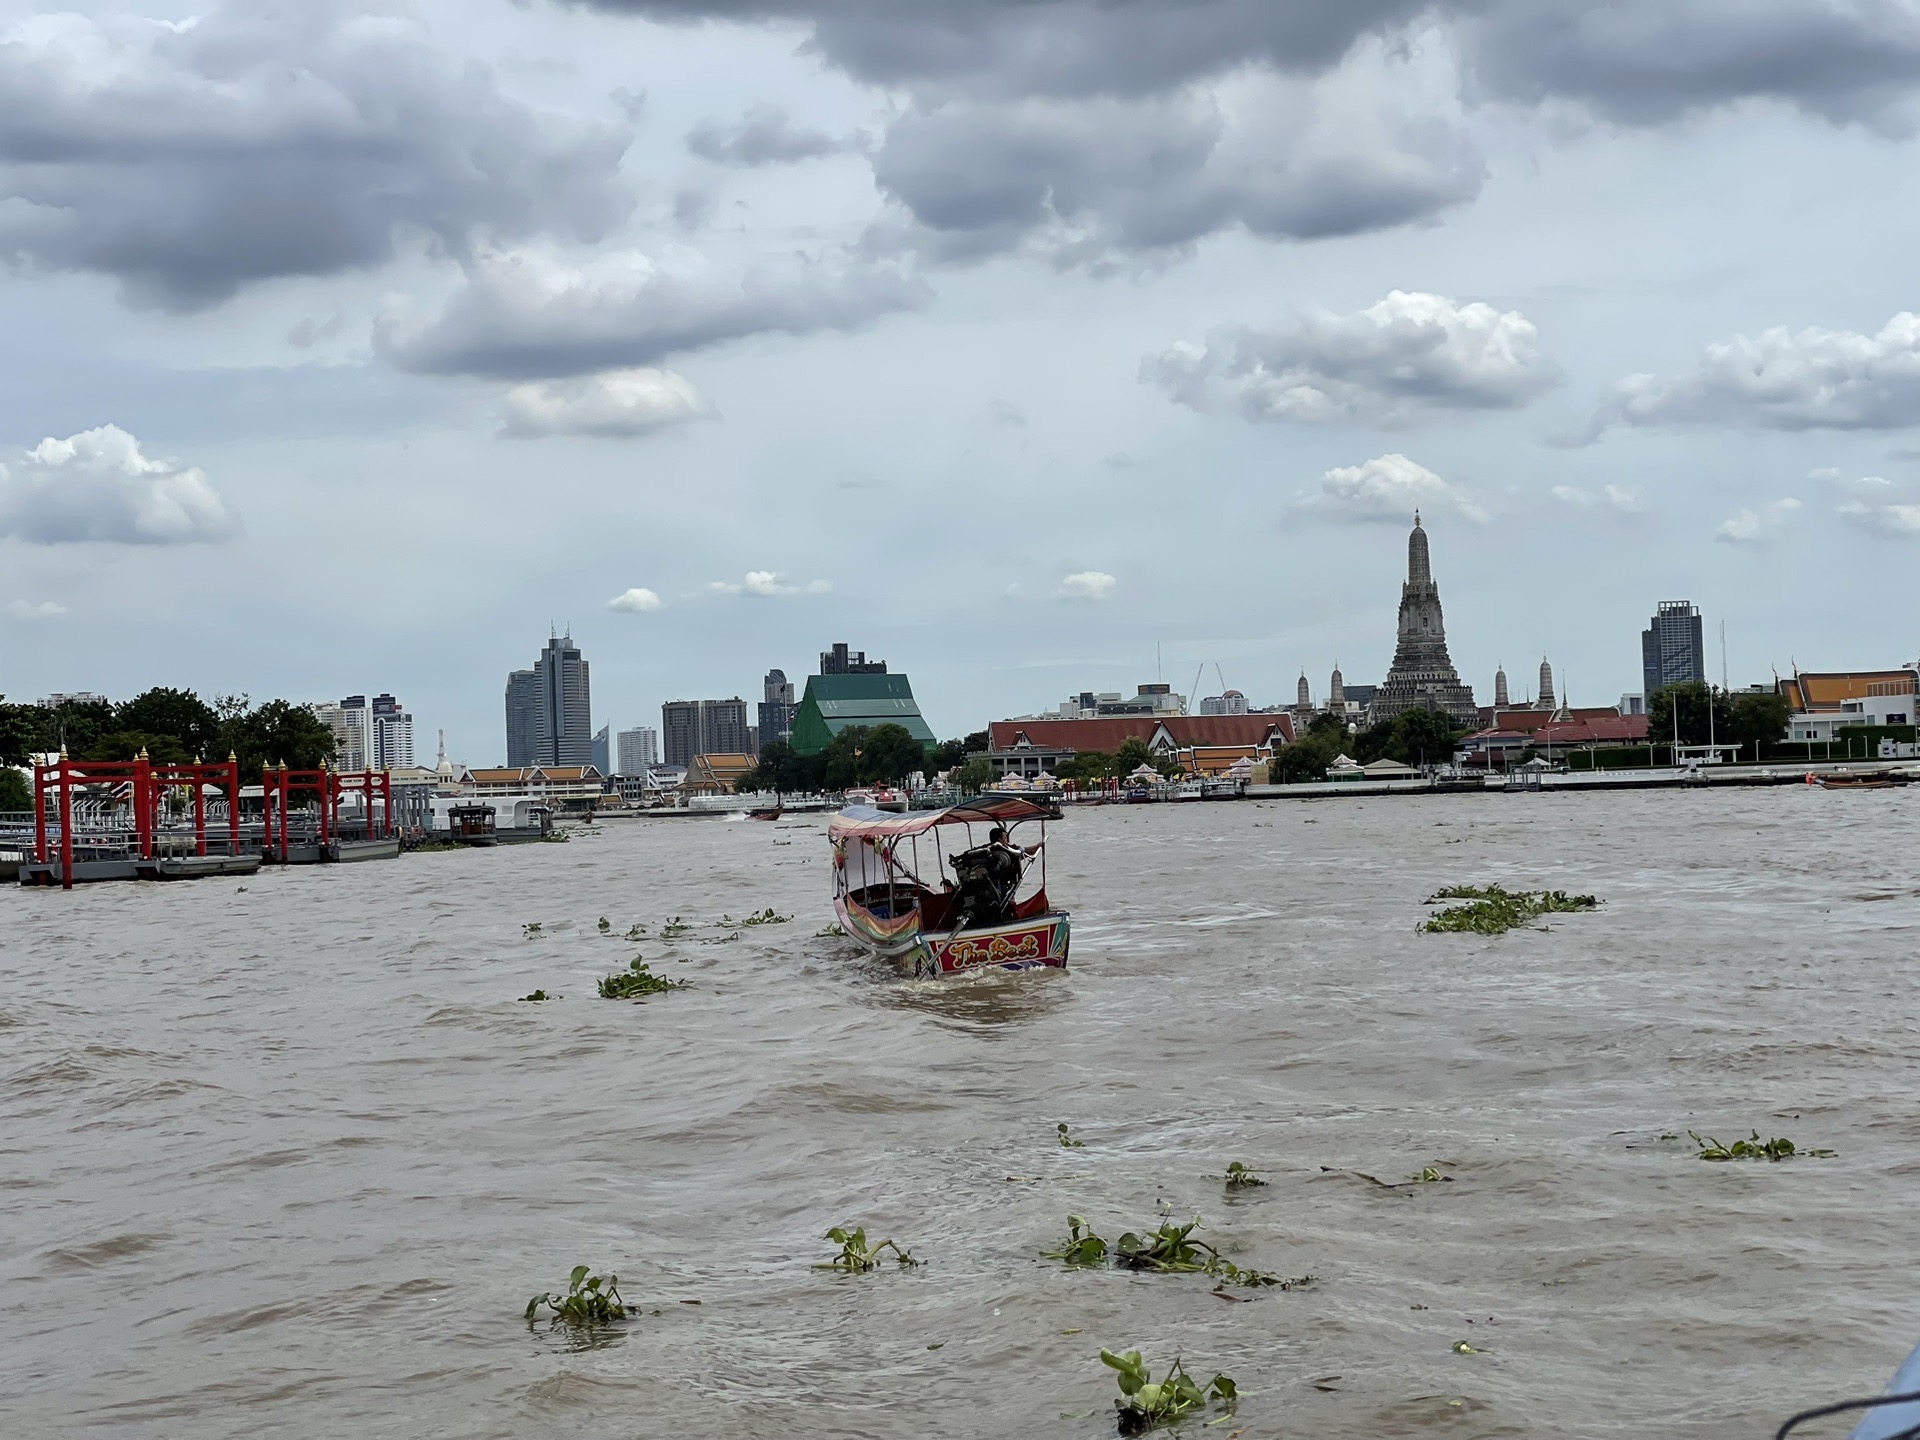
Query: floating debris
537	995
835	932
856	1255
590	1300
1754	1148
533	928
1461	1347
674	928
638	980
605	925
1067	1142
1239	1177
1147	1403
1170	1250
1492	910
768	917
636	932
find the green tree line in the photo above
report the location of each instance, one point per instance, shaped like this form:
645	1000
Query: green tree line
1414	737
1756	723
172	726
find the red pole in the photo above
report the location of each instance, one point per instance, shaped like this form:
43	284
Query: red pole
199	811
233	803
66	823
285	796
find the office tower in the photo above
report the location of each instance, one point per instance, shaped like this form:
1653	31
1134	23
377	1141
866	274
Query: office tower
523	719
1672	648
603	749
776	707
704	727
563	733
639	750
390	733
838	662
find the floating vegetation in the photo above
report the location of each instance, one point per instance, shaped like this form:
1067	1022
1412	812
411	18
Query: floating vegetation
1754	1148
636	932
832	931
767	917
636	981
1492	910
857	1255
1067	1142
533	929
590	1300
1429	1176
537	995
675	928
1146	1403
555	837
605	925
1170	1250
723	940
1461	1347
1239	1177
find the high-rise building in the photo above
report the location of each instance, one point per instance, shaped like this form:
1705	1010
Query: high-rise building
639	750
704	727
563	733
523	719
838	662
1423	676
1673	648
776	707
603	749
389	735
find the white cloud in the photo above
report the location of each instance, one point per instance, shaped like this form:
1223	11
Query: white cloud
1876	505
1409	354
99	485
1087	585
637	601
1388	488
765	135
1757	527
1611	498
768	585
1785	380
613	403
28	610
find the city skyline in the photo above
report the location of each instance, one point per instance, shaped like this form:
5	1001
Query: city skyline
1377	271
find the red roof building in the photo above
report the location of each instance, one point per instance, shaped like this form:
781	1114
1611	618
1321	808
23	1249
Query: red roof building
1030	747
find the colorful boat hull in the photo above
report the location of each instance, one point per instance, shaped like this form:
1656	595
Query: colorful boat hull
1038	943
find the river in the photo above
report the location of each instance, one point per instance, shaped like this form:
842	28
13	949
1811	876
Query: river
288	1158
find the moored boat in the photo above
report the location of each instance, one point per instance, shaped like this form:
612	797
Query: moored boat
938	927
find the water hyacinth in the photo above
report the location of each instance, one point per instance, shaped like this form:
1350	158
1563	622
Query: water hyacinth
1146	1403
590	1300
1492	910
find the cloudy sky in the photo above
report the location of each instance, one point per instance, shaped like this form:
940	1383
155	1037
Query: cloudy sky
349	345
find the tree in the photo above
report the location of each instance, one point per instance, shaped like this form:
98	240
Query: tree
1089	767
840	760
78	725
889	754
23	733
783	771
974	776
180	714
127	745
1421	737
1687	703
15	793
275	732
1756	723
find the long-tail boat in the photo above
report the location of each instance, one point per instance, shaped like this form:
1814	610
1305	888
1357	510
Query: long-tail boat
892	893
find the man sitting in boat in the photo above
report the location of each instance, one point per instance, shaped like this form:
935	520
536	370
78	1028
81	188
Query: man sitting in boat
989	876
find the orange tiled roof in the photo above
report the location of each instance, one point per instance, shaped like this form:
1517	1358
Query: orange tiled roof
1827	690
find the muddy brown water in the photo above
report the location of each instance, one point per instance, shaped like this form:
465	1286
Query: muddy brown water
289	1160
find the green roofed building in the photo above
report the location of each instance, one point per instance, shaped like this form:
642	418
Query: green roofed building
838	702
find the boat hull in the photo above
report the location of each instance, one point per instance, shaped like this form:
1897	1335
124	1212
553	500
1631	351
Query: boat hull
1039	943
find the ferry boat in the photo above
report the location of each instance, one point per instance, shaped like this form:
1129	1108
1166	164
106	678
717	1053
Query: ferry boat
893	895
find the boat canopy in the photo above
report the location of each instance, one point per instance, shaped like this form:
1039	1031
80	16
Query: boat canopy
869	823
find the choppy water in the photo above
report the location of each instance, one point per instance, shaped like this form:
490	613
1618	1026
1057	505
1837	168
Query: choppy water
289	1161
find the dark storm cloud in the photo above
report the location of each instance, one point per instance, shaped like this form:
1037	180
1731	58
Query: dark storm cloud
1056	47
765	135
1647	61
522	316
256	142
